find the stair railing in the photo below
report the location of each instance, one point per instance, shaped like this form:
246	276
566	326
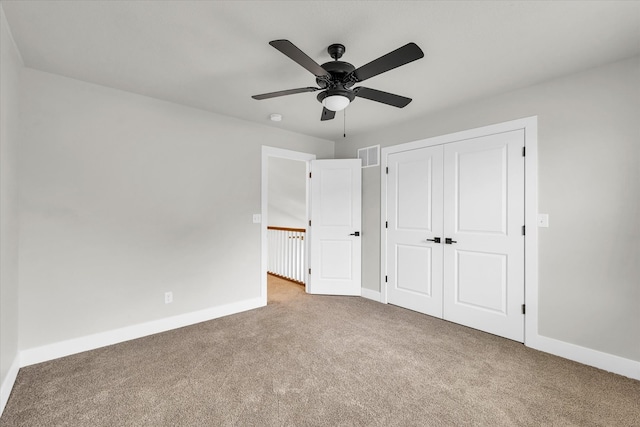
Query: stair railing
286	253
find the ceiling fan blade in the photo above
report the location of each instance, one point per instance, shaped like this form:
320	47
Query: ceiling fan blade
401	56
380	96
285	92
292	51
327	114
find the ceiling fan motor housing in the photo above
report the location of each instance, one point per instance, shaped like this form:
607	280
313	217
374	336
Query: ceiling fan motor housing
336	85
338	70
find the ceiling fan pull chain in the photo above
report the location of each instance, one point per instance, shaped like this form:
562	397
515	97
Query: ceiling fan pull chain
344	121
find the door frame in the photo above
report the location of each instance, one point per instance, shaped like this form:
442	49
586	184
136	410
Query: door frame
530	127
284	154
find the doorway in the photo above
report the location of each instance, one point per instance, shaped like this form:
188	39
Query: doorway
287	219
333	205
291	164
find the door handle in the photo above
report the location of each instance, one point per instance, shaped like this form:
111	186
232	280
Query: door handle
357	234
435	240
448	241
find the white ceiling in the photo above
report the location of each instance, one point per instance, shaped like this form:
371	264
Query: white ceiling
214	55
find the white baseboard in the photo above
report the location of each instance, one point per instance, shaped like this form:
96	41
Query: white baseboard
7	384
77	345
369	294
605	361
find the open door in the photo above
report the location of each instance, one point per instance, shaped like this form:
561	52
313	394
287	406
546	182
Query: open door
335	227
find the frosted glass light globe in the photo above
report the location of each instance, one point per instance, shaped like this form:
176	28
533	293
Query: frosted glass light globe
335	102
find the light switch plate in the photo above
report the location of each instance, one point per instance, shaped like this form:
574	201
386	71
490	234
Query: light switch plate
543	220
257	218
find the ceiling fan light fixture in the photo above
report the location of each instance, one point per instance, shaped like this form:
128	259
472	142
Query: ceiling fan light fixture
336	102
336	99
335	79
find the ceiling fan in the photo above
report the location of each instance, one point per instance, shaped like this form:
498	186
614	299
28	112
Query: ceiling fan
337	78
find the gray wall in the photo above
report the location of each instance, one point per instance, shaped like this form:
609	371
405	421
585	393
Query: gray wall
287	193
589	184
10	65
124	197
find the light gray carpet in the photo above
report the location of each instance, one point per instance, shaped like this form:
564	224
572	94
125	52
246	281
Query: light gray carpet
320	360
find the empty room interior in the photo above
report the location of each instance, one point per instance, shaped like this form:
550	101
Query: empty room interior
320	213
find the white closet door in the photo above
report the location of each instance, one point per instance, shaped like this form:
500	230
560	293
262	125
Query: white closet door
414	200
483	217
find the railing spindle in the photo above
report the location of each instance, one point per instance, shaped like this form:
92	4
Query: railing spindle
286	252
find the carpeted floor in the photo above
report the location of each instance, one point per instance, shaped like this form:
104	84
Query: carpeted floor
317	360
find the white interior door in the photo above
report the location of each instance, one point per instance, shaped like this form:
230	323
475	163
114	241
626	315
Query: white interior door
483	217
335	227
414	226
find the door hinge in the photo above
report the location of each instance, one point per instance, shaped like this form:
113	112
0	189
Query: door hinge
309	174
309	223
523	309
386	224
309	271
387	170
524	231
386	279
524	151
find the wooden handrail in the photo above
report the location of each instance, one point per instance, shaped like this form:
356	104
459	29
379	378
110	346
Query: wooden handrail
300	230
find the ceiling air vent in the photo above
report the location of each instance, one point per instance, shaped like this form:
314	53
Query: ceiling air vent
370	156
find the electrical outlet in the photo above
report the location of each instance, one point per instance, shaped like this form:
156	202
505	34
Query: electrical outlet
257	218
168	297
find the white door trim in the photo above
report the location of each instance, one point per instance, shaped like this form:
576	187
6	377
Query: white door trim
284	154
530	127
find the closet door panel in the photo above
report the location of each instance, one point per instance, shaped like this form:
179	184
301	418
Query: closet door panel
414	203
483	218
